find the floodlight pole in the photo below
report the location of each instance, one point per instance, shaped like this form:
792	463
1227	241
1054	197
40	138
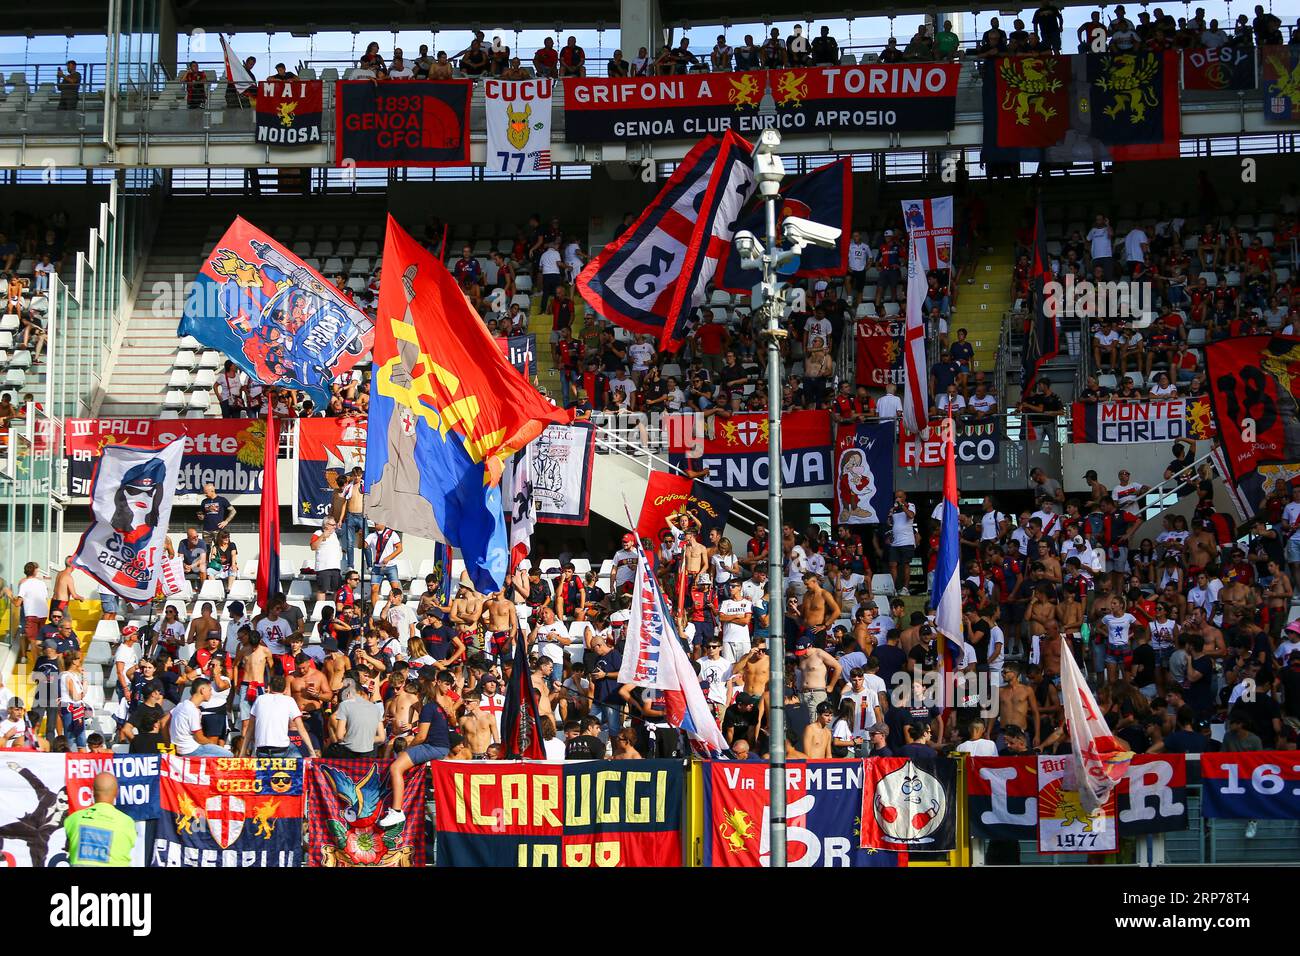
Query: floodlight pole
769	170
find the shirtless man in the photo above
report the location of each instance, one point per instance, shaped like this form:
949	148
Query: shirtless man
1051	564
203	626
65	589
1069	613
1050	649
310	690
478	727
752	672
401	710
501	622
817	735
911	635
335	664
1041	610
1202	548
820	672
253	663
467	606
819	608
1016	701
1238	602
695	556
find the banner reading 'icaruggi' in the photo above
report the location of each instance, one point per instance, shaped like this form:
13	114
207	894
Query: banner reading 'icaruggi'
402	123
596	813
224	451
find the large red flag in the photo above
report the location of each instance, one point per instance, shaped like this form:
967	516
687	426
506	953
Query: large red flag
664	494
268	523
461	375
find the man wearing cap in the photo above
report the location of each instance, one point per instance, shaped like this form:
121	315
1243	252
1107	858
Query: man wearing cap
17	731
735	613
625	560
702	611
878	738
741	721
1128	493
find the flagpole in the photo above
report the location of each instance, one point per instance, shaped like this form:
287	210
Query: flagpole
769	171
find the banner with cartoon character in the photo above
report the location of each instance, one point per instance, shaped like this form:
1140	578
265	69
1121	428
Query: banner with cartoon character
230	812
909	804
131	499
1064	826
560	463
864	472
346	798
275	316
328	450
289	112
823	803
518	115
224	451
33	803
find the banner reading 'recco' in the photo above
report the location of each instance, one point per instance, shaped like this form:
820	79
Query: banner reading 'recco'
402	123
224	451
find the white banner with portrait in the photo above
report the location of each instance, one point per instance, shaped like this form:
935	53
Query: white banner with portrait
560	462
131	503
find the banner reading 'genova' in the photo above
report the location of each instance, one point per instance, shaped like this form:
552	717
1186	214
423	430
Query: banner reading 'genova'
736	455
402	123
224	451
594	813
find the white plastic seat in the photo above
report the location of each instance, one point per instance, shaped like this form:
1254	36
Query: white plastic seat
333	266
204	378
21	359
185	359
10	322
212	590
180	378
241	589
16	378
882	584
175	399
210	359
299	589
523	283
108	631
191	344
247	571
316	612
198	401
99	652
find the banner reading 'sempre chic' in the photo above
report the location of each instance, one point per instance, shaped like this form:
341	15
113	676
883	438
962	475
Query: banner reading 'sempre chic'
594	813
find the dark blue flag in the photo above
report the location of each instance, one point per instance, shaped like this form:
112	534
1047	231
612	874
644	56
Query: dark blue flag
825	196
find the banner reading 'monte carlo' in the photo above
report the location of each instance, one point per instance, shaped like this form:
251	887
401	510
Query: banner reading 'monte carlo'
594	813
224	451
1126	423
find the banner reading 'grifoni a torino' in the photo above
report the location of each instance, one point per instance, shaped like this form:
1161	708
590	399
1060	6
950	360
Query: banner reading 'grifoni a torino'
896	97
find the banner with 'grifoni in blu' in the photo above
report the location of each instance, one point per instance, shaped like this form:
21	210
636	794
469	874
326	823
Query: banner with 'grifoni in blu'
593	813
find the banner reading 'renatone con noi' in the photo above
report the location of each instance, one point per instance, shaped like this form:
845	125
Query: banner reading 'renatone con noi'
882	97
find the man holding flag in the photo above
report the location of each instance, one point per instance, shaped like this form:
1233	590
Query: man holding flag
653	658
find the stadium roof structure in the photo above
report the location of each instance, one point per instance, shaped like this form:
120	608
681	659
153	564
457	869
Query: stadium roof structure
239	16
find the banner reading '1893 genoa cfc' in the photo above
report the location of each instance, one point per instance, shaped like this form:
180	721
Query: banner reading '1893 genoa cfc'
593	813
402	123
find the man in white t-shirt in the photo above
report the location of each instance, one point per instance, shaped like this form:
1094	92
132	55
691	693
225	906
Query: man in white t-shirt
755	589
714	673
383	546
549	637
273	716
186	724
977	745
735	613
34	594
1101	251
641	353
625	560
550	265
274	631
328	551
1119	625
865	697
991	521
1136	247
1128	493
902	539
889	406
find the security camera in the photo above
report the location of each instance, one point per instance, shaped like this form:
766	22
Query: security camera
769	168
801	233
748	245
